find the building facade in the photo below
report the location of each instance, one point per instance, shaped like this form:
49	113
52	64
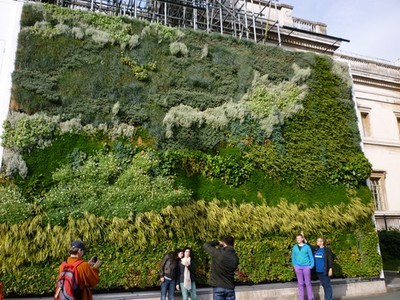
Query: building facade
376	89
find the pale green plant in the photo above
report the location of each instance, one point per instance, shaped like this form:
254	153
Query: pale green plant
273	103
24	132
73	125
163	33
341	69
99	37
62	29
122	130
178	49
115	109
134	41
217	117
14	163
78	33
204	51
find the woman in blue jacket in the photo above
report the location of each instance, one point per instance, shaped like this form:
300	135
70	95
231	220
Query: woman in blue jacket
324	267
303	262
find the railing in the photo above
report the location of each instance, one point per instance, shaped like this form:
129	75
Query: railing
309	25
386	221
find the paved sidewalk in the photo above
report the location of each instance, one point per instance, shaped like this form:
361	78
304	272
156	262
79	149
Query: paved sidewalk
258	292
387	296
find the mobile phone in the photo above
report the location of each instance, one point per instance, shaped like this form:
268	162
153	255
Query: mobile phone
94	259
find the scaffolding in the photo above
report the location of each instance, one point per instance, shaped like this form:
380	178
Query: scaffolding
250	19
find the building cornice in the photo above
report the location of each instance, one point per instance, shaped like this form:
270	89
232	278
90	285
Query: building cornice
380	142
372	72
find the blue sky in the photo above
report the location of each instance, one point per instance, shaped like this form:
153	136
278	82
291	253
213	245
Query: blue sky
372	26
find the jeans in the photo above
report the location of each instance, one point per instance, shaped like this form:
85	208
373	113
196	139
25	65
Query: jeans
192	292
326	284
223	294
167	286
303	275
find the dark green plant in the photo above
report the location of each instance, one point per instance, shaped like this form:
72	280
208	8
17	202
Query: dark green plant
389	241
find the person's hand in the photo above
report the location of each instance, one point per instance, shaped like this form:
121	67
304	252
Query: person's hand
177	287
97	264
330	273
92	261
162	279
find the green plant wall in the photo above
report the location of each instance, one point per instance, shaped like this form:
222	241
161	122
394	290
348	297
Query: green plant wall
139	138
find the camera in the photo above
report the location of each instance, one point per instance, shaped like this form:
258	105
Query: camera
94	259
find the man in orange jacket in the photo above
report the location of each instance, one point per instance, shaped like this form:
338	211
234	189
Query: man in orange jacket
88	272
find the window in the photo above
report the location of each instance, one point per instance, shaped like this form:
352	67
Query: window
397	114
365	123
377	186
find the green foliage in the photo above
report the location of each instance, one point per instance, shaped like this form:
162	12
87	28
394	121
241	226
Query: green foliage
389	241
353	172
24	133
110	185
140	72
263	233
178	49
232	170
13	206
274	103
118	159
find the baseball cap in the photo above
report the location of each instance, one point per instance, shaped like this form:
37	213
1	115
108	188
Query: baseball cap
77	245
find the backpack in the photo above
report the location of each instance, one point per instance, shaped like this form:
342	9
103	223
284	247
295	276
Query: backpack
67	287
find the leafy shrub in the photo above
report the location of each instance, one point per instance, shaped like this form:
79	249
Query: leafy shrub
14	164
263	235
178	49
389	241
110	186
24	133
14	208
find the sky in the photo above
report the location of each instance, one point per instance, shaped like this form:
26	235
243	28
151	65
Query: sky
372	26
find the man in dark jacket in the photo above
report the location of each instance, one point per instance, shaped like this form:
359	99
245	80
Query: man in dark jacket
324	267
168	274
223	266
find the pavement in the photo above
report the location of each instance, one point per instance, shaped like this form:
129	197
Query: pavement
388	296
392	282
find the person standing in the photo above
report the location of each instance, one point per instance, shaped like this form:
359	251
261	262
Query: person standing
186	276
168	274
303	262
324	267
87	272
224	263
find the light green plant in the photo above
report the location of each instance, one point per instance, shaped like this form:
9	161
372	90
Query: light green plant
78	32
14	207
217	117
341	69
273	103
24	132
163	33
134	41
178	49
14	164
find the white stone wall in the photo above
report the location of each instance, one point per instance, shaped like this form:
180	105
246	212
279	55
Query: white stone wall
10	15
382	147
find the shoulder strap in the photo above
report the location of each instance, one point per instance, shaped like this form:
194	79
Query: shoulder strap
77	263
